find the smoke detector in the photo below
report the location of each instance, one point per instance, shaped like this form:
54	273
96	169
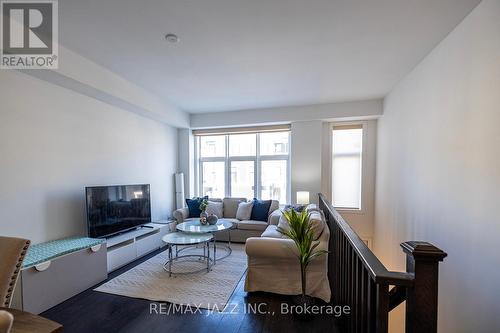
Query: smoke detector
172	38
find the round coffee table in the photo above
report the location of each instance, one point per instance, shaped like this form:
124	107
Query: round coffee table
190	239
198	228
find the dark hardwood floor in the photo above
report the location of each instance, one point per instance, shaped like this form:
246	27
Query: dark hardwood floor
95	312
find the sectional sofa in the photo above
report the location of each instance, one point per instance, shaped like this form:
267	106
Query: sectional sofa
243	229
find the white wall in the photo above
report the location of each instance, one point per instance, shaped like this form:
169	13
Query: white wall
438	171
369	109
88	78
305	158
53	142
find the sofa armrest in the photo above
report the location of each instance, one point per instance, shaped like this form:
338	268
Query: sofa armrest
279	248
274	217
6	320
181	214
265	247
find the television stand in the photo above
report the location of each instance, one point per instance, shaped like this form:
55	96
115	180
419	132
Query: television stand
126	247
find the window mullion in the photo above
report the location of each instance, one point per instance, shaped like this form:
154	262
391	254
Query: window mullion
257	178
289	170
198	176
227	187
274	157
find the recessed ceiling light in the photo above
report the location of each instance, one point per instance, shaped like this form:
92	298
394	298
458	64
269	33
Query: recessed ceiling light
172	38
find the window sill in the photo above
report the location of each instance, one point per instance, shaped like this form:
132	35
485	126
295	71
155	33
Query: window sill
350	211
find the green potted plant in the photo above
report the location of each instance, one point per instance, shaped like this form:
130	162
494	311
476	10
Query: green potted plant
203	208
300	231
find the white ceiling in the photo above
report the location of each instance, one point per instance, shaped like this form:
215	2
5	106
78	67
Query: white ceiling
245	54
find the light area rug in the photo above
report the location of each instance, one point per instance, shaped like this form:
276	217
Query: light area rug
202	290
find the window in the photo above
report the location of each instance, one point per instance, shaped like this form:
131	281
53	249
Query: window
213	146
249	165
242	144
274	143
274	180
242	179
213	179
347	152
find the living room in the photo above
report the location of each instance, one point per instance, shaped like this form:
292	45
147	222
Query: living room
249	166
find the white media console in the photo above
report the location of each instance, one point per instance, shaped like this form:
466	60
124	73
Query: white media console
72	270
129	246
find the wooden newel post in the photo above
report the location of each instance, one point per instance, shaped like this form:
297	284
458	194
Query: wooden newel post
422	260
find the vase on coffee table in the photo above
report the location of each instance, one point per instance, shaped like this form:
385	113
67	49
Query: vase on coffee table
212	219
203	218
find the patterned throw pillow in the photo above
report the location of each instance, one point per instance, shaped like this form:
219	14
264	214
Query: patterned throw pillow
194	206
244	211
215	208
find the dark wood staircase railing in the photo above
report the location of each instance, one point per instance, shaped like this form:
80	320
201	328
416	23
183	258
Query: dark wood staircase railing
358	279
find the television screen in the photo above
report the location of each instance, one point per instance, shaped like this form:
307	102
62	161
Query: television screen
113	209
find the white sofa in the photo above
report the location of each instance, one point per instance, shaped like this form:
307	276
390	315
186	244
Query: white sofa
243	229
273	265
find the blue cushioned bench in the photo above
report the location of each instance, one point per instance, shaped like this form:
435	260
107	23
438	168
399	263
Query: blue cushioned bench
43	252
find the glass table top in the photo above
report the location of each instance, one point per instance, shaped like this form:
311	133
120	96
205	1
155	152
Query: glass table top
197	227
181	238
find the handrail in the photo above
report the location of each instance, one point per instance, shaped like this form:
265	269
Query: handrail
358	279
377	270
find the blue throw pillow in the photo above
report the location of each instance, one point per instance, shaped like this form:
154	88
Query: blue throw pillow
260	210
194	206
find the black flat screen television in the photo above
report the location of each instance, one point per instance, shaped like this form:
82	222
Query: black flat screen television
114	209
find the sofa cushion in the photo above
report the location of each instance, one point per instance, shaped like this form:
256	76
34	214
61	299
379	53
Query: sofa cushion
260	209
244	210
251	225
233	221
215	208
231	206
194	206
317	222
272	232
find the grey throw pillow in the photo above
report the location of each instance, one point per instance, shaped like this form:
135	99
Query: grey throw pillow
244	211
317	223
283	223
214	208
